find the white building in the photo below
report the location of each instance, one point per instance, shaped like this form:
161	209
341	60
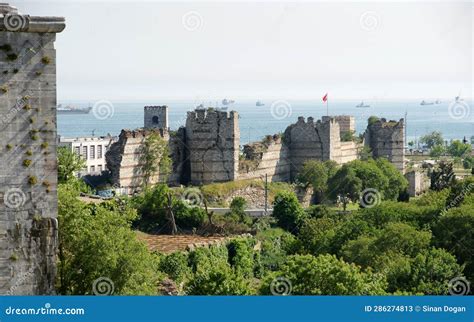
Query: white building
91	149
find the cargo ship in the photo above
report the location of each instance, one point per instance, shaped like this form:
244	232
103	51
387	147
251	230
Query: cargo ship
72	109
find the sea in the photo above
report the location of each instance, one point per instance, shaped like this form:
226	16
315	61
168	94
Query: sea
453	120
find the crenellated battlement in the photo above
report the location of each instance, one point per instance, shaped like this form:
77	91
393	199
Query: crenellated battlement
207	149
212	115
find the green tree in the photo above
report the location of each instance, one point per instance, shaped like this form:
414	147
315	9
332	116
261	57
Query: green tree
396	181
96	241
364	153
431	271
442	176
288	211
326	275
437	151
315	174
346	184
316	235
237	206
459	149
402	238
154	158
432	139
455	232
68	164
468	162
219	279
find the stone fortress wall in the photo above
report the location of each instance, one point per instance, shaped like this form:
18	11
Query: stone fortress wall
207	149
28	169
386	139
213	140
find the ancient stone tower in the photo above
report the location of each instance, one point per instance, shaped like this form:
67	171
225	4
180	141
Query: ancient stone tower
156	117
28	169
213	139
387	139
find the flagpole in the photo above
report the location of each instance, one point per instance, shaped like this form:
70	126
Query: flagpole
327	107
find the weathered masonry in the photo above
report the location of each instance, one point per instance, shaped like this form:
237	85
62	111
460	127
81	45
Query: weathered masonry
208	149
28	169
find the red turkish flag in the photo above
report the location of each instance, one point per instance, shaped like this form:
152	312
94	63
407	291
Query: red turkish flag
325	97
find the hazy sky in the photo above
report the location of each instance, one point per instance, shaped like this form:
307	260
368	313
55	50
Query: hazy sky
210	50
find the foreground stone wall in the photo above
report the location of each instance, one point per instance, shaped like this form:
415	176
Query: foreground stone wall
28	169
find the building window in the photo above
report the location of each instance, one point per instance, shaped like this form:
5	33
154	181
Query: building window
99	152
84	152
77	151
92	154
99	167
92	168
154	119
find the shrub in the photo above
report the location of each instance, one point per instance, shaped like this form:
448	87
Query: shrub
241	256
46	60
32	180
27	163
288	211
12	57
326	275
175	265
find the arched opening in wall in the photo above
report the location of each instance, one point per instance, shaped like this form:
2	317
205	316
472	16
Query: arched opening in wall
154	119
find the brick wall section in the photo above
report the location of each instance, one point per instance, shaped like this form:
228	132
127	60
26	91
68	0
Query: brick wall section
28	210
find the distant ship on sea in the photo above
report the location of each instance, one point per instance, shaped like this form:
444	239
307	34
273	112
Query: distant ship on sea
259	103
362	105
72	109
423	102
225	101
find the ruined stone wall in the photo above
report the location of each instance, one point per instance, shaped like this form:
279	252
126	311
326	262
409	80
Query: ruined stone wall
387	139
28	169
346	122
213	140
309	141
418	182
271	158
124	159
348	151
